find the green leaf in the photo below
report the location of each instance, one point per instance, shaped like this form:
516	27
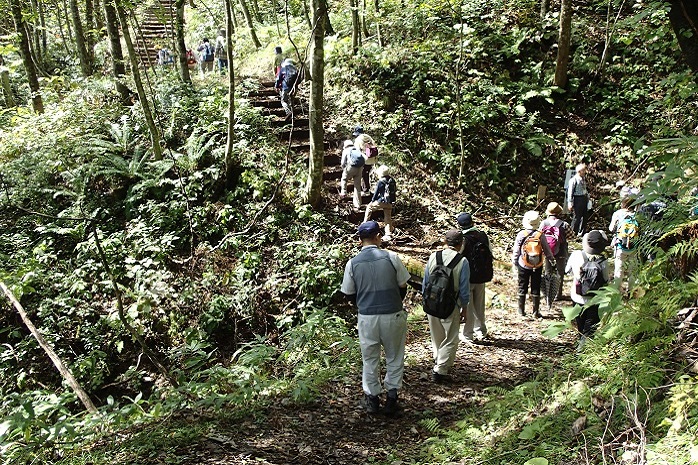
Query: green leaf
520	110
555	328
537	461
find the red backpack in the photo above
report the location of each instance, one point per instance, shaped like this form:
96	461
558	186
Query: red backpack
553	236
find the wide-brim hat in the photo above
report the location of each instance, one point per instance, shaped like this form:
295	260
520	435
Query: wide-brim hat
594	242
531	220
554	208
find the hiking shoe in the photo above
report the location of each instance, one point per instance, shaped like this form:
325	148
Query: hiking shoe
392	408
371	403
439	378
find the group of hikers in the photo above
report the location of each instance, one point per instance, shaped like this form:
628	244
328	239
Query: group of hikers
205	56
453	285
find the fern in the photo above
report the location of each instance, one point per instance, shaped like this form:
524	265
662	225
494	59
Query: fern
430	424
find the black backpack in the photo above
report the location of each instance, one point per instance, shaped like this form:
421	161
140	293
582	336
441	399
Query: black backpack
479	257
390	190
591	277
439	295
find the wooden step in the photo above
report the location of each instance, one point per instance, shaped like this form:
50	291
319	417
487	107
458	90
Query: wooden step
275	103
282	123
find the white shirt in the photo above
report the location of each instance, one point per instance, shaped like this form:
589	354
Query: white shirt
574	265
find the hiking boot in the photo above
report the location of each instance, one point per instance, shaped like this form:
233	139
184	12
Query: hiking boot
439	378
371	403
522	305
392	407
536	307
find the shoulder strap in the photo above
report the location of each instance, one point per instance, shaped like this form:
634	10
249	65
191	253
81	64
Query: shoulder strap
455	261
439	258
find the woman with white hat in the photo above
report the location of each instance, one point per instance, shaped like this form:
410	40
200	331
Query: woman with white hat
527	257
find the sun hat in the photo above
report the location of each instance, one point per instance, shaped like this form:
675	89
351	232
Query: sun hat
368	229
465	220
382	171
348	143
454	237
554	208
358	130
594	242
531	220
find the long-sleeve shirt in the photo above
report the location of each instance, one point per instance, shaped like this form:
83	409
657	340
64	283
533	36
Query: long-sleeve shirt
361	141
518	242
574	266
461	274
577	186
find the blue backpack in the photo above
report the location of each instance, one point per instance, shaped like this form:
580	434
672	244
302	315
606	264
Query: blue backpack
356	159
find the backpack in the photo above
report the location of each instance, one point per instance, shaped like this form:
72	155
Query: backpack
208	52
479	257
290	75
190	57
591	277
390	190
553	236
627	233
371	151
532	250
440	296
356	159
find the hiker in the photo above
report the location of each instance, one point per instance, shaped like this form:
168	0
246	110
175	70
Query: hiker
375	280
527	258
220	52
278	59
191	59
165	57
557	233
285	82
206	55
578	199
362	142
383	199
444	331
478	251
589	269
352	163
626	230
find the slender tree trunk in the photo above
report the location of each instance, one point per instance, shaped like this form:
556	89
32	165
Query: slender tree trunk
364	25
306	13
255	11
684	19
42	21
564	40
59	20
250	24
5	84
90	29
317	82
329	30
355	26
57	362
276	15
133	57
379	35
117	55
25	52
36	33
81	44
66	10
230	163
181	45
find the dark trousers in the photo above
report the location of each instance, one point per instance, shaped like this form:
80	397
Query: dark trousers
364	178
579	213
588	320
532	276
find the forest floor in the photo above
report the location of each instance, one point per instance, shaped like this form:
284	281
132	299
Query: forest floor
335	429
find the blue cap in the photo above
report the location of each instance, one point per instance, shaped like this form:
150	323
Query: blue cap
465	220
368	229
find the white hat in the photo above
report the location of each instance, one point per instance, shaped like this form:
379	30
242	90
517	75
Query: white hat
531	220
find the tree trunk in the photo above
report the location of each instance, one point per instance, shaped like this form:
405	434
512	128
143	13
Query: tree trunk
317	81
355	26
255	11
379	35
25	52
329	30
118	66
36	32
133	57
184	74
64	40
58	363
90	29
564	40
250	24
42	21
684	18
80	43
306	13
5	84
67	20
544	8
364	25
230	164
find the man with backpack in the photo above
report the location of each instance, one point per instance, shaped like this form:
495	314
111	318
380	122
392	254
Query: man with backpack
527	259
367	146
285	84
220	52
446	293
206	52
578	199
478	252
375	280
352	163
557	233
383	199
626	234
589	269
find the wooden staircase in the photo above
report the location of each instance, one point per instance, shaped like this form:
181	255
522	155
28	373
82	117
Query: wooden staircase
156	27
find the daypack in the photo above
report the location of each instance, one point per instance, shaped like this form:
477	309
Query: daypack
356	159
439	294
591	277
208	52
479	257
190	57
290	75
532	250
371	151
390	190
627	233
553	236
